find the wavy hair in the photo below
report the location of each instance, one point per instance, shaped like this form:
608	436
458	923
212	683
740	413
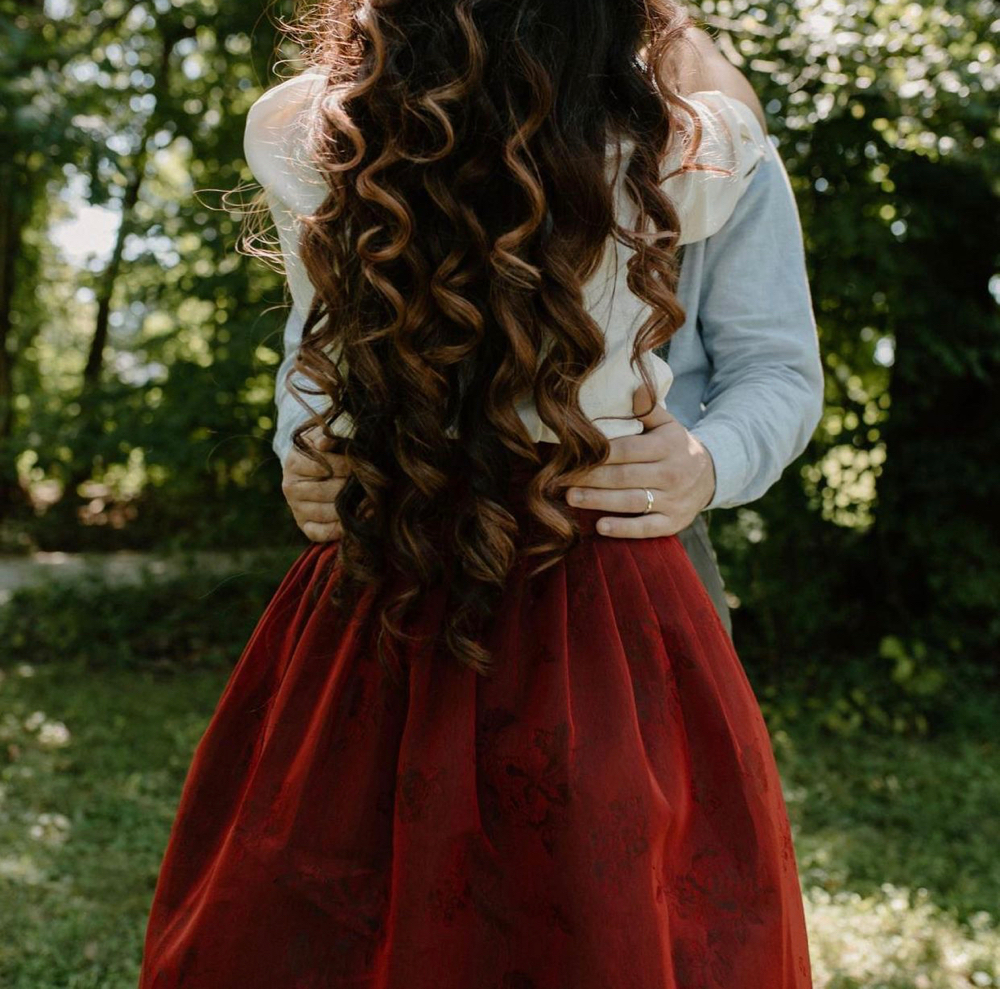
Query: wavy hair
465	147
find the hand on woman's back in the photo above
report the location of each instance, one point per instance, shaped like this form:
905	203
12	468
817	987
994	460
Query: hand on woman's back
311	489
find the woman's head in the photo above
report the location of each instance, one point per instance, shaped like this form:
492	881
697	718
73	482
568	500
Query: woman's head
465	146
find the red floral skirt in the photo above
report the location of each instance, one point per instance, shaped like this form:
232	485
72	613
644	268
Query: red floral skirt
603	813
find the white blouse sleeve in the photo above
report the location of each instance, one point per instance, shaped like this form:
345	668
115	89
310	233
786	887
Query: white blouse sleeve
732	145
276	145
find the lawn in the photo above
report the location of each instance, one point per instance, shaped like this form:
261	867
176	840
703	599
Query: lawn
896	837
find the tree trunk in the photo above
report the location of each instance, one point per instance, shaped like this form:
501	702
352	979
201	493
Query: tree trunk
95	358
109	279
11	230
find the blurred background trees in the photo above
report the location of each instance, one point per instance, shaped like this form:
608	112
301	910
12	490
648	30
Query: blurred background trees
870	577
138	350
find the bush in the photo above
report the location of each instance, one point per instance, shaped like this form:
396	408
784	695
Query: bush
197	619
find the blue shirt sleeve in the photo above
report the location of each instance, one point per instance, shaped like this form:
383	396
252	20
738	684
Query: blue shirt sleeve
291	413
764	396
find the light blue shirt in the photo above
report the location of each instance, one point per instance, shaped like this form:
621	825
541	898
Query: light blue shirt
748	380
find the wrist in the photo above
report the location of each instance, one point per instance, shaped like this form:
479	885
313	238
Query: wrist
725	446
712	481
706	475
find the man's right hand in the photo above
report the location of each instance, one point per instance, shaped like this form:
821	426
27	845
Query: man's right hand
310	493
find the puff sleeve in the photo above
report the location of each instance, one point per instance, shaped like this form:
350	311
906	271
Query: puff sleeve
276	142
732	145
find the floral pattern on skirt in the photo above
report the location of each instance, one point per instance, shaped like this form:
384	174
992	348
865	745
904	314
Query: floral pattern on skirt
603	813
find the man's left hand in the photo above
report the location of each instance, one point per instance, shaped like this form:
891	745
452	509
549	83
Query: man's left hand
665	459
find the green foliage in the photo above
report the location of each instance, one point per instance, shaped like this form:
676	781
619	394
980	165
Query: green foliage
161	427
188	621
883	538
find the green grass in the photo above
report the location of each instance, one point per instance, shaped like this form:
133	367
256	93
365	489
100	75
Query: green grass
896	838
911	812
897	844
73	895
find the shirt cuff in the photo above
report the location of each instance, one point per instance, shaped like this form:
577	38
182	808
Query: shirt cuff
725	446
282	444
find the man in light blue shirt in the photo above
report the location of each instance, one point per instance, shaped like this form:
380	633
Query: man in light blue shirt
748	377
746	396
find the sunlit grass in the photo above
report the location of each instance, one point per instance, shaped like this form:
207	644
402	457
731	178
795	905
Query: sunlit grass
898	939
83	822
894	836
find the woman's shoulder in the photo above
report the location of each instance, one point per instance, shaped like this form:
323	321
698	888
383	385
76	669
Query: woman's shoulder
711	161
718	144
695	65
728	115
276	141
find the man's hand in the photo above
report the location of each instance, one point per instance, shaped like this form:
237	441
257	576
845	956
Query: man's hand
667	460
309	494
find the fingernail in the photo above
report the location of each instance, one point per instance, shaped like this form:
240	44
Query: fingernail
603	527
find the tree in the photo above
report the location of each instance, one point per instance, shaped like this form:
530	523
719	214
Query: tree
885	113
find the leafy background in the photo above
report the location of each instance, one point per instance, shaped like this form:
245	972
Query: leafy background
137	356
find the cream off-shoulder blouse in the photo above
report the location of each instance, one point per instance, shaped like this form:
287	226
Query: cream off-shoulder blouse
277	151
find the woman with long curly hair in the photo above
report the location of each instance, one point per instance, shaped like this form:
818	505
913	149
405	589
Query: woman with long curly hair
472	744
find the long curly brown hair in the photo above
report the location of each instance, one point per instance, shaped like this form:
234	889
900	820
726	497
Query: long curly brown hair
465	146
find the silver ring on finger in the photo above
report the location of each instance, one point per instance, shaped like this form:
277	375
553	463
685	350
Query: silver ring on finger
649	501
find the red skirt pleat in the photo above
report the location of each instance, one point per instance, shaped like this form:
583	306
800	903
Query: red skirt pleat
603	813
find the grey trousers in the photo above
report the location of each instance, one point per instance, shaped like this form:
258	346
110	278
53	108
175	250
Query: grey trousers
699	548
